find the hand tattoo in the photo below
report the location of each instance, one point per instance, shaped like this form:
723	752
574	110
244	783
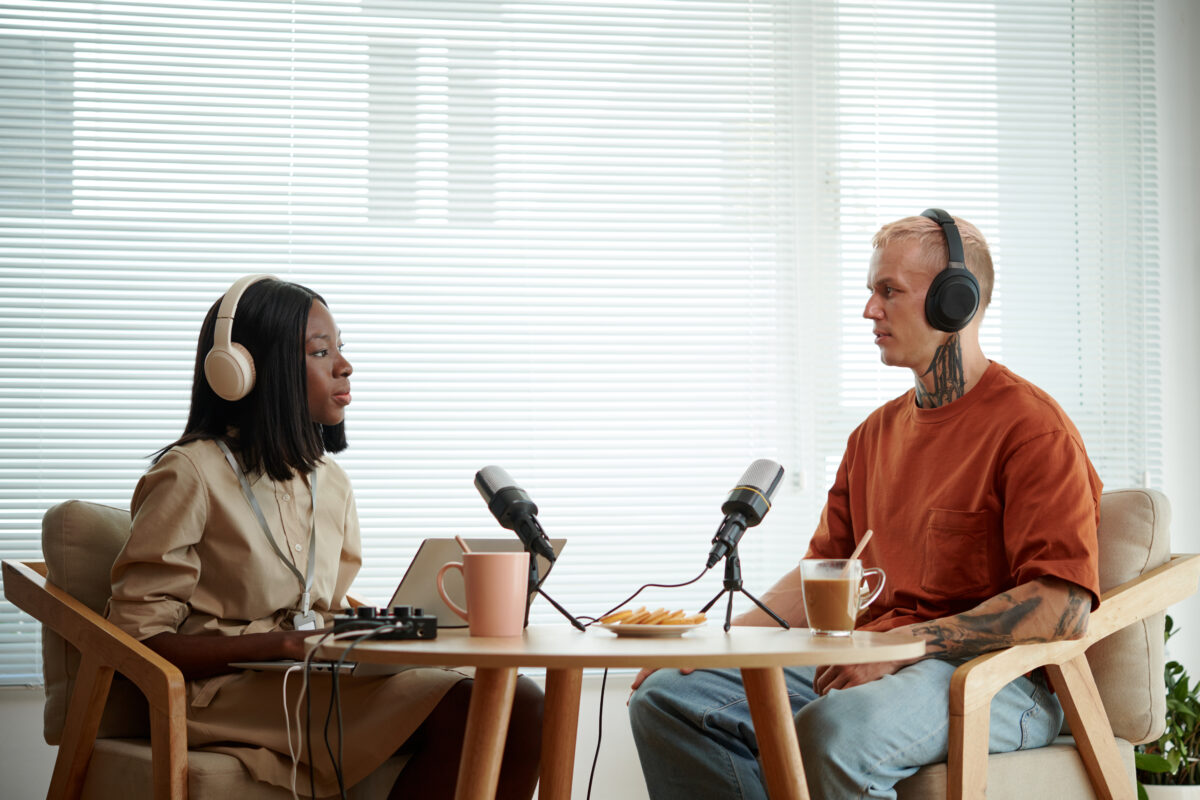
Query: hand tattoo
949	383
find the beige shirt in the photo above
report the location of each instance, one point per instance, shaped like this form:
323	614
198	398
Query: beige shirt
198	561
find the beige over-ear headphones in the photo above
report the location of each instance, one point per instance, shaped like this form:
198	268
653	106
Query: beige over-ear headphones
228	367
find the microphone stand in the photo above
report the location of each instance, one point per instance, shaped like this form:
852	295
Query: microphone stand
534	588
733	583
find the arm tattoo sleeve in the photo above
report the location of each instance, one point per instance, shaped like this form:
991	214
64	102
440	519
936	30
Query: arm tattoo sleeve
1073	622
970	634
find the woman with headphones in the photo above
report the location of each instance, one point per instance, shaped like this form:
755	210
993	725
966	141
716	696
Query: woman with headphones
245	539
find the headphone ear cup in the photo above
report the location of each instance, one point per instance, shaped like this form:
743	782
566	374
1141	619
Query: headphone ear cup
230	371
952	299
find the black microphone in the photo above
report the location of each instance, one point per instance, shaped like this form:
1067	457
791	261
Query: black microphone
513	509
745	506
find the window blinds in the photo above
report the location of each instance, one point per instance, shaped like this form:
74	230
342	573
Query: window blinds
617	249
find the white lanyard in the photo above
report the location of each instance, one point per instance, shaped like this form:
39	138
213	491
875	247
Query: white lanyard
305	619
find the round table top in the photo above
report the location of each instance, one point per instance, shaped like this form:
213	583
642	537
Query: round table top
561	646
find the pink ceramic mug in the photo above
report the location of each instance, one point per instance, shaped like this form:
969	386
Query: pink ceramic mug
496	591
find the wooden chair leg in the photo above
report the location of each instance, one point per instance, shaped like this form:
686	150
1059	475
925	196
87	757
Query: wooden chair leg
79	733
1076	689
169	752
967	760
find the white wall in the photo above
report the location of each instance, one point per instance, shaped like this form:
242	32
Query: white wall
1179	250
25	760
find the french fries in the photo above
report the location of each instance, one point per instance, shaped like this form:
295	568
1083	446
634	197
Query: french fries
659	616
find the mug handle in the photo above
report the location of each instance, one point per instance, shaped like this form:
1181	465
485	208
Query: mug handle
462	612
870	598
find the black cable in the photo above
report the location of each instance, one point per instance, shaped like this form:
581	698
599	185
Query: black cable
335	704
594	620
333	759
599	733
604	679
312	785
308	660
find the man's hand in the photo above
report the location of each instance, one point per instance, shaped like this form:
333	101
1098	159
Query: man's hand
641	676
645	673
843	676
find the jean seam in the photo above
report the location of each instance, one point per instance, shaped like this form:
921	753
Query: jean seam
727	763
891	759
736	701
1028	716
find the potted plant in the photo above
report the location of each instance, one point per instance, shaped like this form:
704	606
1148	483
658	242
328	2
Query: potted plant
1170	766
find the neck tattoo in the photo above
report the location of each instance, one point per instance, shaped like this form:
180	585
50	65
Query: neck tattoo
946	368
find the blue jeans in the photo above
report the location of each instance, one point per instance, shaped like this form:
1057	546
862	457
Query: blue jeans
695	738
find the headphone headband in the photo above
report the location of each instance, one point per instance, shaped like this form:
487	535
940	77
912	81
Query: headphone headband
953	240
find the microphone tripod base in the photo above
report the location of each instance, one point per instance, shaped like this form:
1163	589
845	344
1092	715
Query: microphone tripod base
733	583
535	587
562	611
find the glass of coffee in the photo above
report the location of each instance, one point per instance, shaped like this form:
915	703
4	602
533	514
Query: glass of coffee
835	590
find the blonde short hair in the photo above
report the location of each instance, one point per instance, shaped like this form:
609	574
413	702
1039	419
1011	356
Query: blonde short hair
928	234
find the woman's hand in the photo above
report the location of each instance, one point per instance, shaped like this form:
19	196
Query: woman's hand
202	656
293	644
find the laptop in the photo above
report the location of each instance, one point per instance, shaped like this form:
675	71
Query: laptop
418	588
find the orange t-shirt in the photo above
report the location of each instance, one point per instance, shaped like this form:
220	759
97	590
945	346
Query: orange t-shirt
966	501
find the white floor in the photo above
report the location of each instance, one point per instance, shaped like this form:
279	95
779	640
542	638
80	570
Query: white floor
26	761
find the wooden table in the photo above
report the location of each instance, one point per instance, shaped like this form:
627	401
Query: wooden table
760	653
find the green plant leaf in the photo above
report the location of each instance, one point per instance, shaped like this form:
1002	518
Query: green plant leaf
1151	762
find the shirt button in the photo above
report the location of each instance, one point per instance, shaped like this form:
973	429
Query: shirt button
287	498
298	548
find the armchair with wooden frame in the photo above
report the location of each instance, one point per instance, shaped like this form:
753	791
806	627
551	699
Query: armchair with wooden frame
115	708
1110	682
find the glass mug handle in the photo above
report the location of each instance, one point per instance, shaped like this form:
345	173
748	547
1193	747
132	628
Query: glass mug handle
865	596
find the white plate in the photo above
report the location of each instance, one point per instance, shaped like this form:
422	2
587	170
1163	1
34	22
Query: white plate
650	630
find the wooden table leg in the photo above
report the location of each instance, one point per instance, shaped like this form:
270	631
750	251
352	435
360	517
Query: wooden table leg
487	727
776	733
560	726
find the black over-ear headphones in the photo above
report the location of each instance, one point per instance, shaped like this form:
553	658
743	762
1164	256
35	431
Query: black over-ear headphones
953	296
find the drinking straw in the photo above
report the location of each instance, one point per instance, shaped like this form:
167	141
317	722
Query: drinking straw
857	552
466	549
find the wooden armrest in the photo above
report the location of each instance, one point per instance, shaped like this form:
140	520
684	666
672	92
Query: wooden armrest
976	682
26	586
104	648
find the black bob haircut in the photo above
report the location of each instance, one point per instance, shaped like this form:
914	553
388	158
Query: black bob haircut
270	427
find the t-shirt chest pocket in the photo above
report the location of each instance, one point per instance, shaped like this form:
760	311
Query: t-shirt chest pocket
956	552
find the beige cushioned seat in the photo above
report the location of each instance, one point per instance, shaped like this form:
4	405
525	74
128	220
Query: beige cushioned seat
80	542
1134	538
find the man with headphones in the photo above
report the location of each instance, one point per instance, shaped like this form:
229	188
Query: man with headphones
984	509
